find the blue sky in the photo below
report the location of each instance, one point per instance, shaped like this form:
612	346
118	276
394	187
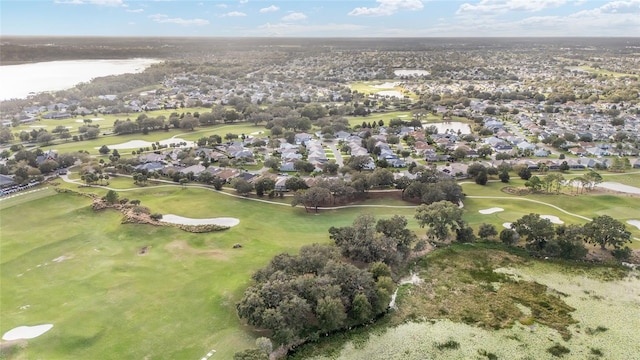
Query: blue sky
332	18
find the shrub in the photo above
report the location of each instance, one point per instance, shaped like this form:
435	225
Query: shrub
558	350
448	345
621	254
156	216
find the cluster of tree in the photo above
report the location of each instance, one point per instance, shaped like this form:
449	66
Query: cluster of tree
567	241
367	240
319	291
25	166
441	218
316	292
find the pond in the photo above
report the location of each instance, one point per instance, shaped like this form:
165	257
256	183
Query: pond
451	127
410	72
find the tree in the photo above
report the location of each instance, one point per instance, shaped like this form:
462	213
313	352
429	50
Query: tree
242	186
111	197
44	138
605	230
358	162
312	197
538	231
104	150
295	183
48	166
509	236
251	354
524	173
464	234
487	231
485	151
504	176
569	242
263	185
439	216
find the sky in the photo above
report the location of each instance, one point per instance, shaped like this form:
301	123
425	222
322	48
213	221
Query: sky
329	18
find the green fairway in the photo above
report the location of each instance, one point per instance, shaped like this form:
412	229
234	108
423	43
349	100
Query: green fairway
81	271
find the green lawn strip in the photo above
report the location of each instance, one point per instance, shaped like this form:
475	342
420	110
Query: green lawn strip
177	301
25	196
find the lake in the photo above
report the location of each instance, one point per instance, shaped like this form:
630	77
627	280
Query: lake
454	126
19	81
410	72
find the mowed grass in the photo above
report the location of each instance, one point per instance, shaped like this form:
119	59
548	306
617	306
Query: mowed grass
177	301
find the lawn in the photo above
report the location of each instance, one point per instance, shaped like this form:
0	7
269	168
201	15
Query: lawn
107	301
177	301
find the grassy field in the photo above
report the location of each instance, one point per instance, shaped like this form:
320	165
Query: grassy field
64	264
107	301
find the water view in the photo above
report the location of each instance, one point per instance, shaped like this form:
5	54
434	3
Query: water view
20	81
451	127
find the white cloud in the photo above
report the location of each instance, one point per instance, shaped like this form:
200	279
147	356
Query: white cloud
388	7
222	6
135	10
294	16
285	29
502	6
165	19
69	2
621	7
613	18
271	8
107	2
93	2
234	14
244	1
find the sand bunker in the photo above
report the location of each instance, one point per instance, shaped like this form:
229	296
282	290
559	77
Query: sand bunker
136	144
619	187
390	93
221	221
26	332
490	211
506	225
553	219
635	223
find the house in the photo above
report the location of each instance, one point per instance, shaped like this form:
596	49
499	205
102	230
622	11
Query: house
281	184
151	157
6	181
302	138
49	155
287	166
150	166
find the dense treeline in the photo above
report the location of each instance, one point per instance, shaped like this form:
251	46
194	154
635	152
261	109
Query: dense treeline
300	297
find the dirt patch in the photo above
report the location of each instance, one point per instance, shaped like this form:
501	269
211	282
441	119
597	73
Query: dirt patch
181	247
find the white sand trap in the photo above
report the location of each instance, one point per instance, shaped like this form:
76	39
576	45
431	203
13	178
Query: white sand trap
136	144
619	187
553	219
506	225
26	332
390	93
387	85
635	223
37	126
221	221
490	210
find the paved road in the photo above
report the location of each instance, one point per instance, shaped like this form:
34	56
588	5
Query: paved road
336	154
